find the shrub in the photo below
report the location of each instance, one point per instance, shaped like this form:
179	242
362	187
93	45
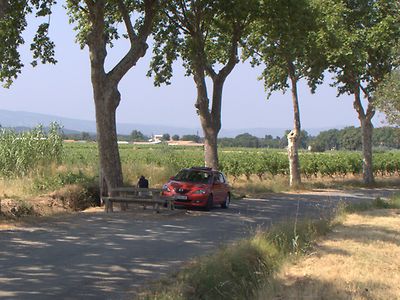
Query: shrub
76	197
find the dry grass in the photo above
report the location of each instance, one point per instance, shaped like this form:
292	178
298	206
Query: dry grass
349	182
253	187
358	260
14	188
157	176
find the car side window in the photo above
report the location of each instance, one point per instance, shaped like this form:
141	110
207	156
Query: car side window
223	179
219	178
216	178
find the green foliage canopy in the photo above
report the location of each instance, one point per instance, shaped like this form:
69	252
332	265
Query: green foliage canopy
198	32
358	37
283	39
387	97
13	22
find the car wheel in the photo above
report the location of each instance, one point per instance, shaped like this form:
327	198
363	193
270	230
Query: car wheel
210	203
227	201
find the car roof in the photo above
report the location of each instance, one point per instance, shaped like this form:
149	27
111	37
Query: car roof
200	168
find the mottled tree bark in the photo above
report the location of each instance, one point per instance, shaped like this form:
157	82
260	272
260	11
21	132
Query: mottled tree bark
106	103
366	129
210	119
368	173
105	84
294	135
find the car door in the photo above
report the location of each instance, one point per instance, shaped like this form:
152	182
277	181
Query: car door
218	188
225	186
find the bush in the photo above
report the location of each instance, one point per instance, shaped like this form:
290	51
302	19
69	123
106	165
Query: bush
22	210
77	197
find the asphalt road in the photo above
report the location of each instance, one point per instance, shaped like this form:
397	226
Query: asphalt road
107	256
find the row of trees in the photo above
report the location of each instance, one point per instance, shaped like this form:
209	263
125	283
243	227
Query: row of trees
138	136
348	138
135	136
293	39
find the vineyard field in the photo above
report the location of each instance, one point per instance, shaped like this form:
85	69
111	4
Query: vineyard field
239	162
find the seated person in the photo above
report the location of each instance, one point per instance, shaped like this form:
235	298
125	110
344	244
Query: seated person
143	183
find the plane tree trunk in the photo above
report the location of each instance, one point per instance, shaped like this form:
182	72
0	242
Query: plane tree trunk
106	102
210	119
366	130
294	135
105	84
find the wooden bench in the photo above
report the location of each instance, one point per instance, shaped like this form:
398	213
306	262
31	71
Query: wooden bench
142	196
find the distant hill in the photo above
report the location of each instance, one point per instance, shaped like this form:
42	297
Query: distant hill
24	119
28	119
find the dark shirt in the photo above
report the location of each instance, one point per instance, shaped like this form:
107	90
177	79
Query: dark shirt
143	183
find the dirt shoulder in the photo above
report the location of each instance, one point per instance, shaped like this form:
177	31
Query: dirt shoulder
358	260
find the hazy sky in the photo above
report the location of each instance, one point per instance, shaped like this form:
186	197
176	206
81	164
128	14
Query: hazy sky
65	90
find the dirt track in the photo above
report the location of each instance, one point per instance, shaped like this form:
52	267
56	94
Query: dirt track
94	255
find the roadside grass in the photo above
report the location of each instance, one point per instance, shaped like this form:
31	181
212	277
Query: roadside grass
270	265
349	182
237	271
48	190
357	260
253	187
377	203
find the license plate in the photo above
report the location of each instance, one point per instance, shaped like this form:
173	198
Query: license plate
180	197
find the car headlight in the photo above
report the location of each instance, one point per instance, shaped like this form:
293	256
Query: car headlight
199	192
166	188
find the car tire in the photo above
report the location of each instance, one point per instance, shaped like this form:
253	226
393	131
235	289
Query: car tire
227	201
210	203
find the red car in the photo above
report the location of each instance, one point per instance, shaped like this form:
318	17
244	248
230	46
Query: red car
198	187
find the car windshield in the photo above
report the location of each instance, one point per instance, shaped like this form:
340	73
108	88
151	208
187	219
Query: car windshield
193	176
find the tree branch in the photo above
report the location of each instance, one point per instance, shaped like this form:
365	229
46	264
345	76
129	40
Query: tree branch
357	102
138	45
145	30
177	24
76	2
184	14
371	108
365	92
233	59
91	5
183	20
127	21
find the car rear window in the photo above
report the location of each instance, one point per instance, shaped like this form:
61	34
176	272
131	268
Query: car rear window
193	176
